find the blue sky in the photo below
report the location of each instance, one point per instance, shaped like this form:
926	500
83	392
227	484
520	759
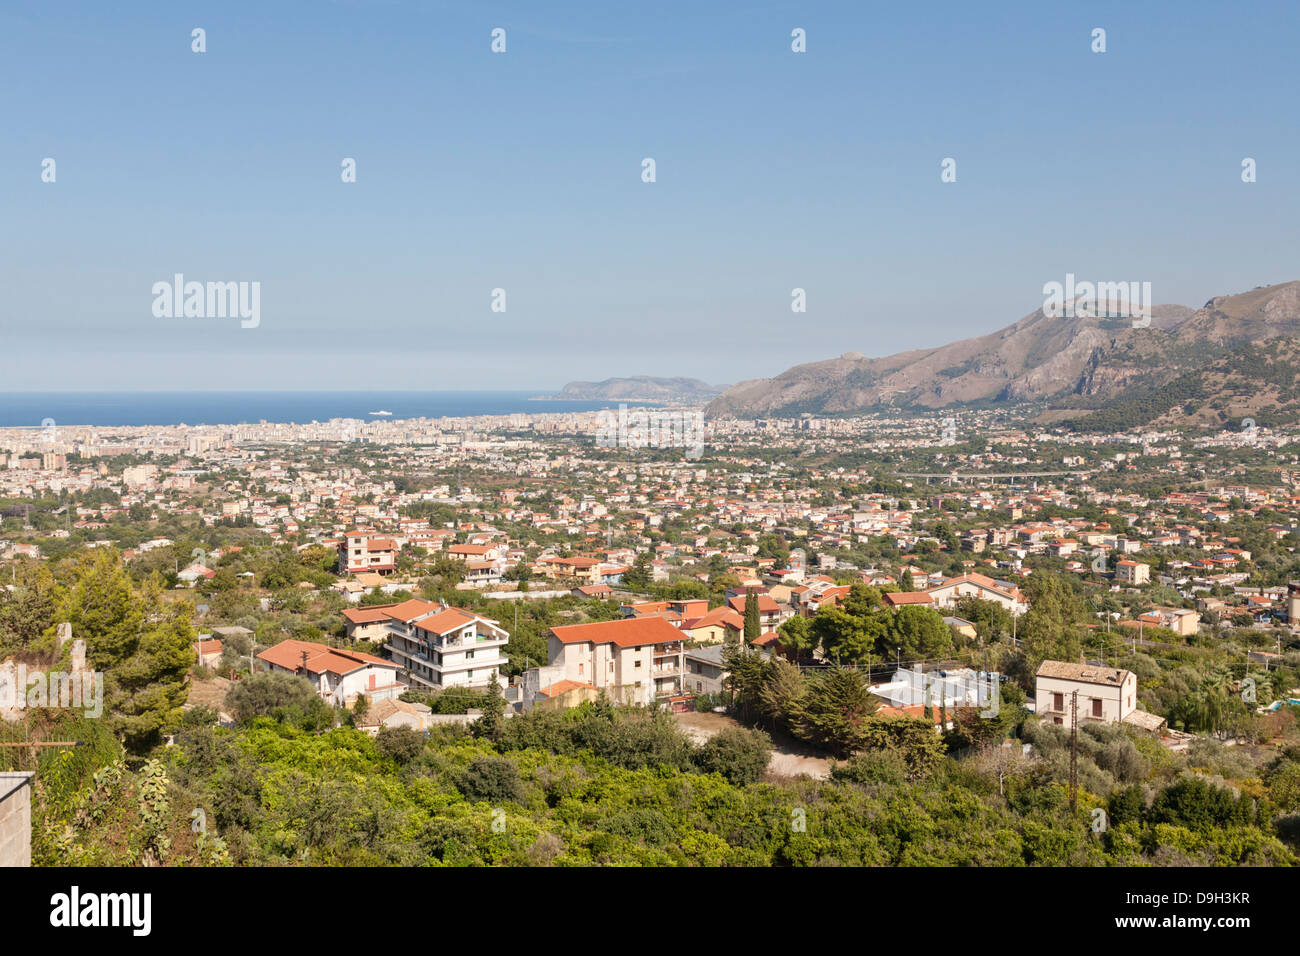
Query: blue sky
521	171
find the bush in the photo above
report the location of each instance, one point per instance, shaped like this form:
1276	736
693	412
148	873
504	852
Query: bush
201	716
400	743
492	780
285	697
738	754
887	767
1198	804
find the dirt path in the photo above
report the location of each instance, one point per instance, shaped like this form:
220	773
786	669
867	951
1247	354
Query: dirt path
211	692
788	760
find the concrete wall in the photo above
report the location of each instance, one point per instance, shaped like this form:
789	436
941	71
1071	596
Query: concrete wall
1116	702
15	819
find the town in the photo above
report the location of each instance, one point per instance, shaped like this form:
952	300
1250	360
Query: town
896	600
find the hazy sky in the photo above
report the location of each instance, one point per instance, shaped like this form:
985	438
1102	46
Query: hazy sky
522	171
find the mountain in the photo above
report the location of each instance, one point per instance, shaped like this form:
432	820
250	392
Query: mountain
641	388
1259	381
1072	362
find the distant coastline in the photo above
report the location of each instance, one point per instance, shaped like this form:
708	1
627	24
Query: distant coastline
135	409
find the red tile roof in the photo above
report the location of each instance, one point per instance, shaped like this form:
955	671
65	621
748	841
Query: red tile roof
628	632
320	659
897	598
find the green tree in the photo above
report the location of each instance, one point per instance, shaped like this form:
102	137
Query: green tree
780	693
834	711
798	638
639	576
491	722
739	754
847	638
143	647
913	739
753	626
917	633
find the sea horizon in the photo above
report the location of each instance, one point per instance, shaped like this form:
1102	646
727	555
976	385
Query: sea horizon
110	408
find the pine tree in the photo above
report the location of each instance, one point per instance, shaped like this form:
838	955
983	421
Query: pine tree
143	646
639	576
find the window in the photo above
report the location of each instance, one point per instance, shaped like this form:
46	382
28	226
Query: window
638	663
1096	707
580	665
1058	702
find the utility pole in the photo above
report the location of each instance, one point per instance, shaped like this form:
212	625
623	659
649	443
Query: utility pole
1074	751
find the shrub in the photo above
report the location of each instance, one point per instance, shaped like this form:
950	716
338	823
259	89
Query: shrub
400	743
738	754
492	779
887	767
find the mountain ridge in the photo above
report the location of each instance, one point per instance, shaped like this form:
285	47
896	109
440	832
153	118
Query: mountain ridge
1037	358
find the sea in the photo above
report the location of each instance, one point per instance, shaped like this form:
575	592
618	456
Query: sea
32	409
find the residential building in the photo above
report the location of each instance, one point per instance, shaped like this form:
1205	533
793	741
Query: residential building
448	647
1106	694
635	660
339	675
365	551
1132	572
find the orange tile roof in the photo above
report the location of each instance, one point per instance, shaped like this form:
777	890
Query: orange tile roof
320	659
628	632
408	611
444	621
719	615
895	598
561	686
369	614
765	604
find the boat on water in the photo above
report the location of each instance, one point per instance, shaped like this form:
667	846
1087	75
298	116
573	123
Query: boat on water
379	413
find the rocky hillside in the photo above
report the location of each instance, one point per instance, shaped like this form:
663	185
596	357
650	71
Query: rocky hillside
643	388
1042	358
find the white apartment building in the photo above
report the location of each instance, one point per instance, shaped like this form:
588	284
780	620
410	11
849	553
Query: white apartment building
367	551
636	660
447	647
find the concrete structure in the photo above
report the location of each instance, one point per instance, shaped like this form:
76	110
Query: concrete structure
722	625
366	551
15	818
959	687
1179	620
339	675
979	586
635	660
1132	572
1106	694
448	648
